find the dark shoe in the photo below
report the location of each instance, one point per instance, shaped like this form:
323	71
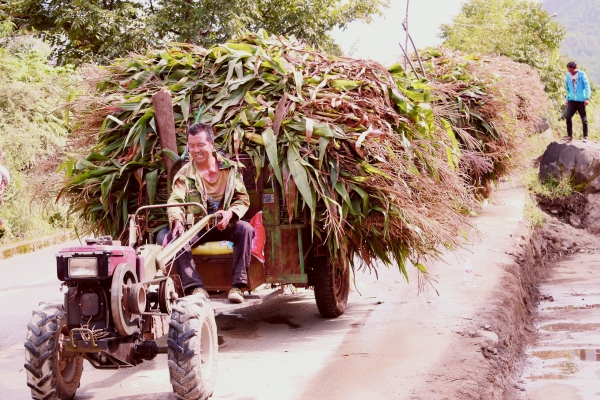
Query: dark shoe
199	291
235	295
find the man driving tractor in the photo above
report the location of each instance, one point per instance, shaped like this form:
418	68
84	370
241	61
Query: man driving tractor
215	182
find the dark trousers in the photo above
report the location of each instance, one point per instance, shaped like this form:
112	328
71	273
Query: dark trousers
572	108
241	234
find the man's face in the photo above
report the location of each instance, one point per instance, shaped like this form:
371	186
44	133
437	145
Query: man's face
572	70
200	148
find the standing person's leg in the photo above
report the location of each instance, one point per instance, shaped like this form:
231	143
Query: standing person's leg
571	109
584	120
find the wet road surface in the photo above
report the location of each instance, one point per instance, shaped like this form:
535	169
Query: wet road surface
565	362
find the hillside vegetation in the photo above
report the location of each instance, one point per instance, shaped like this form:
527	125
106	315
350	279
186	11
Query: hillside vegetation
521	30
582	41
99	31
33	127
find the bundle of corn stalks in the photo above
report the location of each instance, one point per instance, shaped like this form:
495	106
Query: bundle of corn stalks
493	104
358	145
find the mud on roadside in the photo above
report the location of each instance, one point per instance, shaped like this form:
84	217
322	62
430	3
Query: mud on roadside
491	356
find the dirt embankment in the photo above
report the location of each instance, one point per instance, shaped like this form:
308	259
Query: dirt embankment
488	354
506	325
569	209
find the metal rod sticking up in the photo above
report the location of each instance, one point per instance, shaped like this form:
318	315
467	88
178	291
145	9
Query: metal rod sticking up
409	62
405	25
415	50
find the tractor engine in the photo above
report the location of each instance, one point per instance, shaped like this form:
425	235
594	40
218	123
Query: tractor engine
109	313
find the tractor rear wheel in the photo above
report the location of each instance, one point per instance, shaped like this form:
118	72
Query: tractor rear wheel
52	374
193	348
332	285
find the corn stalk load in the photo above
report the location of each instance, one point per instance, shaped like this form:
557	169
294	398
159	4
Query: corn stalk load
360	147
492	104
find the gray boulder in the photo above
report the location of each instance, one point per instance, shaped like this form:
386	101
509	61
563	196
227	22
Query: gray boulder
578	159
581	161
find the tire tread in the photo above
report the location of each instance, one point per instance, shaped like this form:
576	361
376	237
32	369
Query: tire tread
327	303
43	377
183	342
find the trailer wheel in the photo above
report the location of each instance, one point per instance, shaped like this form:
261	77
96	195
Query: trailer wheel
51	373
193	348
331	288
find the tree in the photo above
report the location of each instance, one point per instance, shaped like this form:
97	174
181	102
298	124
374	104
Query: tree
100	30
582	42
519	29
34	127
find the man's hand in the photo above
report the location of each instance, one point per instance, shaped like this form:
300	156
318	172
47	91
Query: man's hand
177	229
586	102
226	216
567	103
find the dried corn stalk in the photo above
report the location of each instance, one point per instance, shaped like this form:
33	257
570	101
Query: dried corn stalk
358	145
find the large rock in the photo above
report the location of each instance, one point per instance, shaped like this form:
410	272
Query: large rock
581	161
578	159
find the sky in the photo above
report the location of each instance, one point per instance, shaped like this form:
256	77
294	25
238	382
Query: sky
379	40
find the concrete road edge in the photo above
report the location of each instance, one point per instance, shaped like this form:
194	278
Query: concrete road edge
27	246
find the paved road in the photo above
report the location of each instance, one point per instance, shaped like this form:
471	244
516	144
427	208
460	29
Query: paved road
382	347
265	351
26	280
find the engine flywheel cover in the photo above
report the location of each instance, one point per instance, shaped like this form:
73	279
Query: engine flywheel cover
125	321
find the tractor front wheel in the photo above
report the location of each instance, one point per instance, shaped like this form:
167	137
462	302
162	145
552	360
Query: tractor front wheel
193	348
52	374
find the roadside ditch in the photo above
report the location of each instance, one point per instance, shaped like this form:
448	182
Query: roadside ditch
562	361
540	333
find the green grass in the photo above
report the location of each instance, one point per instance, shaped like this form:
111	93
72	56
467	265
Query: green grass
532	214
552	187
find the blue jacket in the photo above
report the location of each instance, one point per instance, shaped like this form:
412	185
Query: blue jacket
583	87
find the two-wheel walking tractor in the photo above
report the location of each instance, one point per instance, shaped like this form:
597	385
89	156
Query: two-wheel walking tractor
118	300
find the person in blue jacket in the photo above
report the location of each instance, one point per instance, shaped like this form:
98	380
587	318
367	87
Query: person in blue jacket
578	97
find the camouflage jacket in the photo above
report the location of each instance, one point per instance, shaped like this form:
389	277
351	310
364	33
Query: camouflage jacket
188	186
